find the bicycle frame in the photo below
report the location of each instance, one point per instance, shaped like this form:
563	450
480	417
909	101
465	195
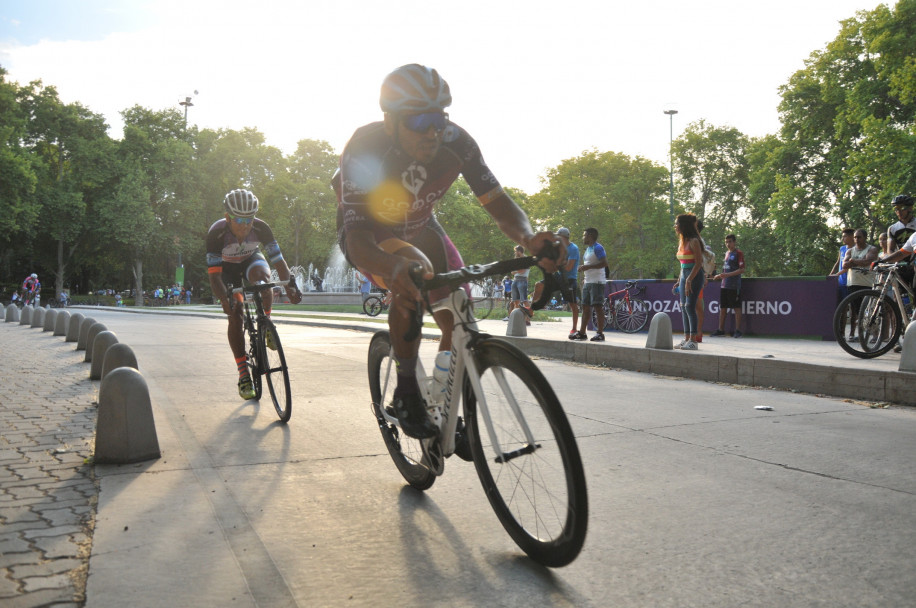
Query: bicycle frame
464	335
893	282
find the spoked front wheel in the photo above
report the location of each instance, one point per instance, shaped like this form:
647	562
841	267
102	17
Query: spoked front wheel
608	317
274	369
254	363
372	306
406	452
866	325
631	316
527	458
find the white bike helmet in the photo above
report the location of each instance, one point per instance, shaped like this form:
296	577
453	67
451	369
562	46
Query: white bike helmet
241	203
414	88
34	276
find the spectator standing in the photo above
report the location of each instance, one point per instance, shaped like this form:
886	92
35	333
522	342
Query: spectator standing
570	271
690	256
730	295
838	271
594	261
883	243
365	285
519	287
861	255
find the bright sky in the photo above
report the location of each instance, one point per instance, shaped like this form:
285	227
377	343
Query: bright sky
534	81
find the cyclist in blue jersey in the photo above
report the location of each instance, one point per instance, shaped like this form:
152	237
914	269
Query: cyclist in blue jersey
391	175
233	252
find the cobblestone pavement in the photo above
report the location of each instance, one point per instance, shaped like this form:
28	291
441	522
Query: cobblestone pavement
48	492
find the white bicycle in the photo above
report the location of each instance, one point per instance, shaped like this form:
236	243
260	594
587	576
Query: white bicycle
511	425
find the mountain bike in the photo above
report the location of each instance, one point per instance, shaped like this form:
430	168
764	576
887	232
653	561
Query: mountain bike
628	314
499	411
376	304
265	354
869	322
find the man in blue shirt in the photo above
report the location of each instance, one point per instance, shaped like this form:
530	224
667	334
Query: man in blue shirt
594	261
838	271
571	275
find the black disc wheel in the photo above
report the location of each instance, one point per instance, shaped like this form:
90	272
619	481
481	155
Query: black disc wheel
867	325
276	374
527	458
631	316
406	452
372	306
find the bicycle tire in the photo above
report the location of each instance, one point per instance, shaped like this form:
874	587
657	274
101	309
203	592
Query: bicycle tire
608	317
883	331
372	306
539	496
275	370
633	318
406	452
254	360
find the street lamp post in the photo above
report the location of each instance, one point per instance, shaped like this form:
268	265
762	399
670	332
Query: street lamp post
671	114
186	103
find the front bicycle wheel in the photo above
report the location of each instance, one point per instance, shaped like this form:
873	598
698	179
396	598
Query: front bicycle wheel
372	306
866	325
274	369
526	457
406	452
631	316
254	358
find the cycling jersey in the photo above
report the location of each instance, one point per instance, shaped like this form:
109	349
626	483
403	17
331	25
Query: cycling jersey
381	186
224	247
900	232
31	285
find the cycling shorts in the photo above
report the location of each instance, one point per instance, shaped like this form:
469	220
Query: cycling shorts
233	273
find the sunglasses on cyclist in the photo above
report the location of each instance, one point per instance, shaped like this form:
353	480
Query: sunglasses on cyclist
420	123
242	220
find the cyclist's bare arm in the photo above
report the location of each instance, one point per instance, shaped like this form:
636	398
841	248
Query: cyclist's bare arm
514	223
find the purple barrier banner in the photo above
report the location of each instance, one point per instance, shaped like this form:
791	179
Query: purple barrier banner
779	306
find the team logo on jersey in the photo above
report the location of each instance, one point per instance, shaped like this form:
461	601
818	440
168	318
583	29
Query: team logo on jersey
413	178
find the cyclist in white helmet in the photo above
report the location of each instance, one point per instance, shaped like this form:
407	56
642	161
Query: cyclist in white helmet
31	287
233	252
391	175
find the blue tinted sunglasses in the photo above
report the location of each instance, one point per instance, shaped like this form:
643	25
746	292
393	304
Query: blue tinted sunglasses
420	123
242	220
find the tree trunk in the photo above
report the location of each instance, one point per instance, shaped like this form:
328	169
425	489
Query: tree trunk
138	280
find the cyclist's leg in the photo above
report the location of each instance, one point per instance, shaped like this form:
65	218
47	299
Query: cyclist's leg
257	269
232	274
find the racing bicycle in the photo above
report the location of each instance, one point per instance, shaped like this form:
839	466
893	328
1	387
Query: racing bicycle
499	411
629	313
870	322
265	352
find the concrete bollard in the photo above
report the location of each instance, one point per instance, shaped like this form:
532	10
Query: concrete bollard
94	330
63	319
12	313
25	317
73	327
660	334
50	320
908	354
516	325
125	431
103	341
118	355
38	317
84	332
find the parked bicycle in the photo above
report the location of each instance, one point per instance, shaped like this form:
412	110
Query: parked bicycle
265	352
869	322
629	313
511	425
377	304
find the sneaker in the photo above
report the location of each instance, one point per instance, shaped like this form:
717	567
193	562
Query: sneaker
578	336
691	345
598	338
506	319
682	343
269	341
718	332
898	348
246	389
698	339
852	339
410	411
738	334
572	333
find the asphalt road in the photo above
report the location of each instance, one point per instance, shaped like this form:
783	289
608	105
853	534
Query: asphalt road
696	497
